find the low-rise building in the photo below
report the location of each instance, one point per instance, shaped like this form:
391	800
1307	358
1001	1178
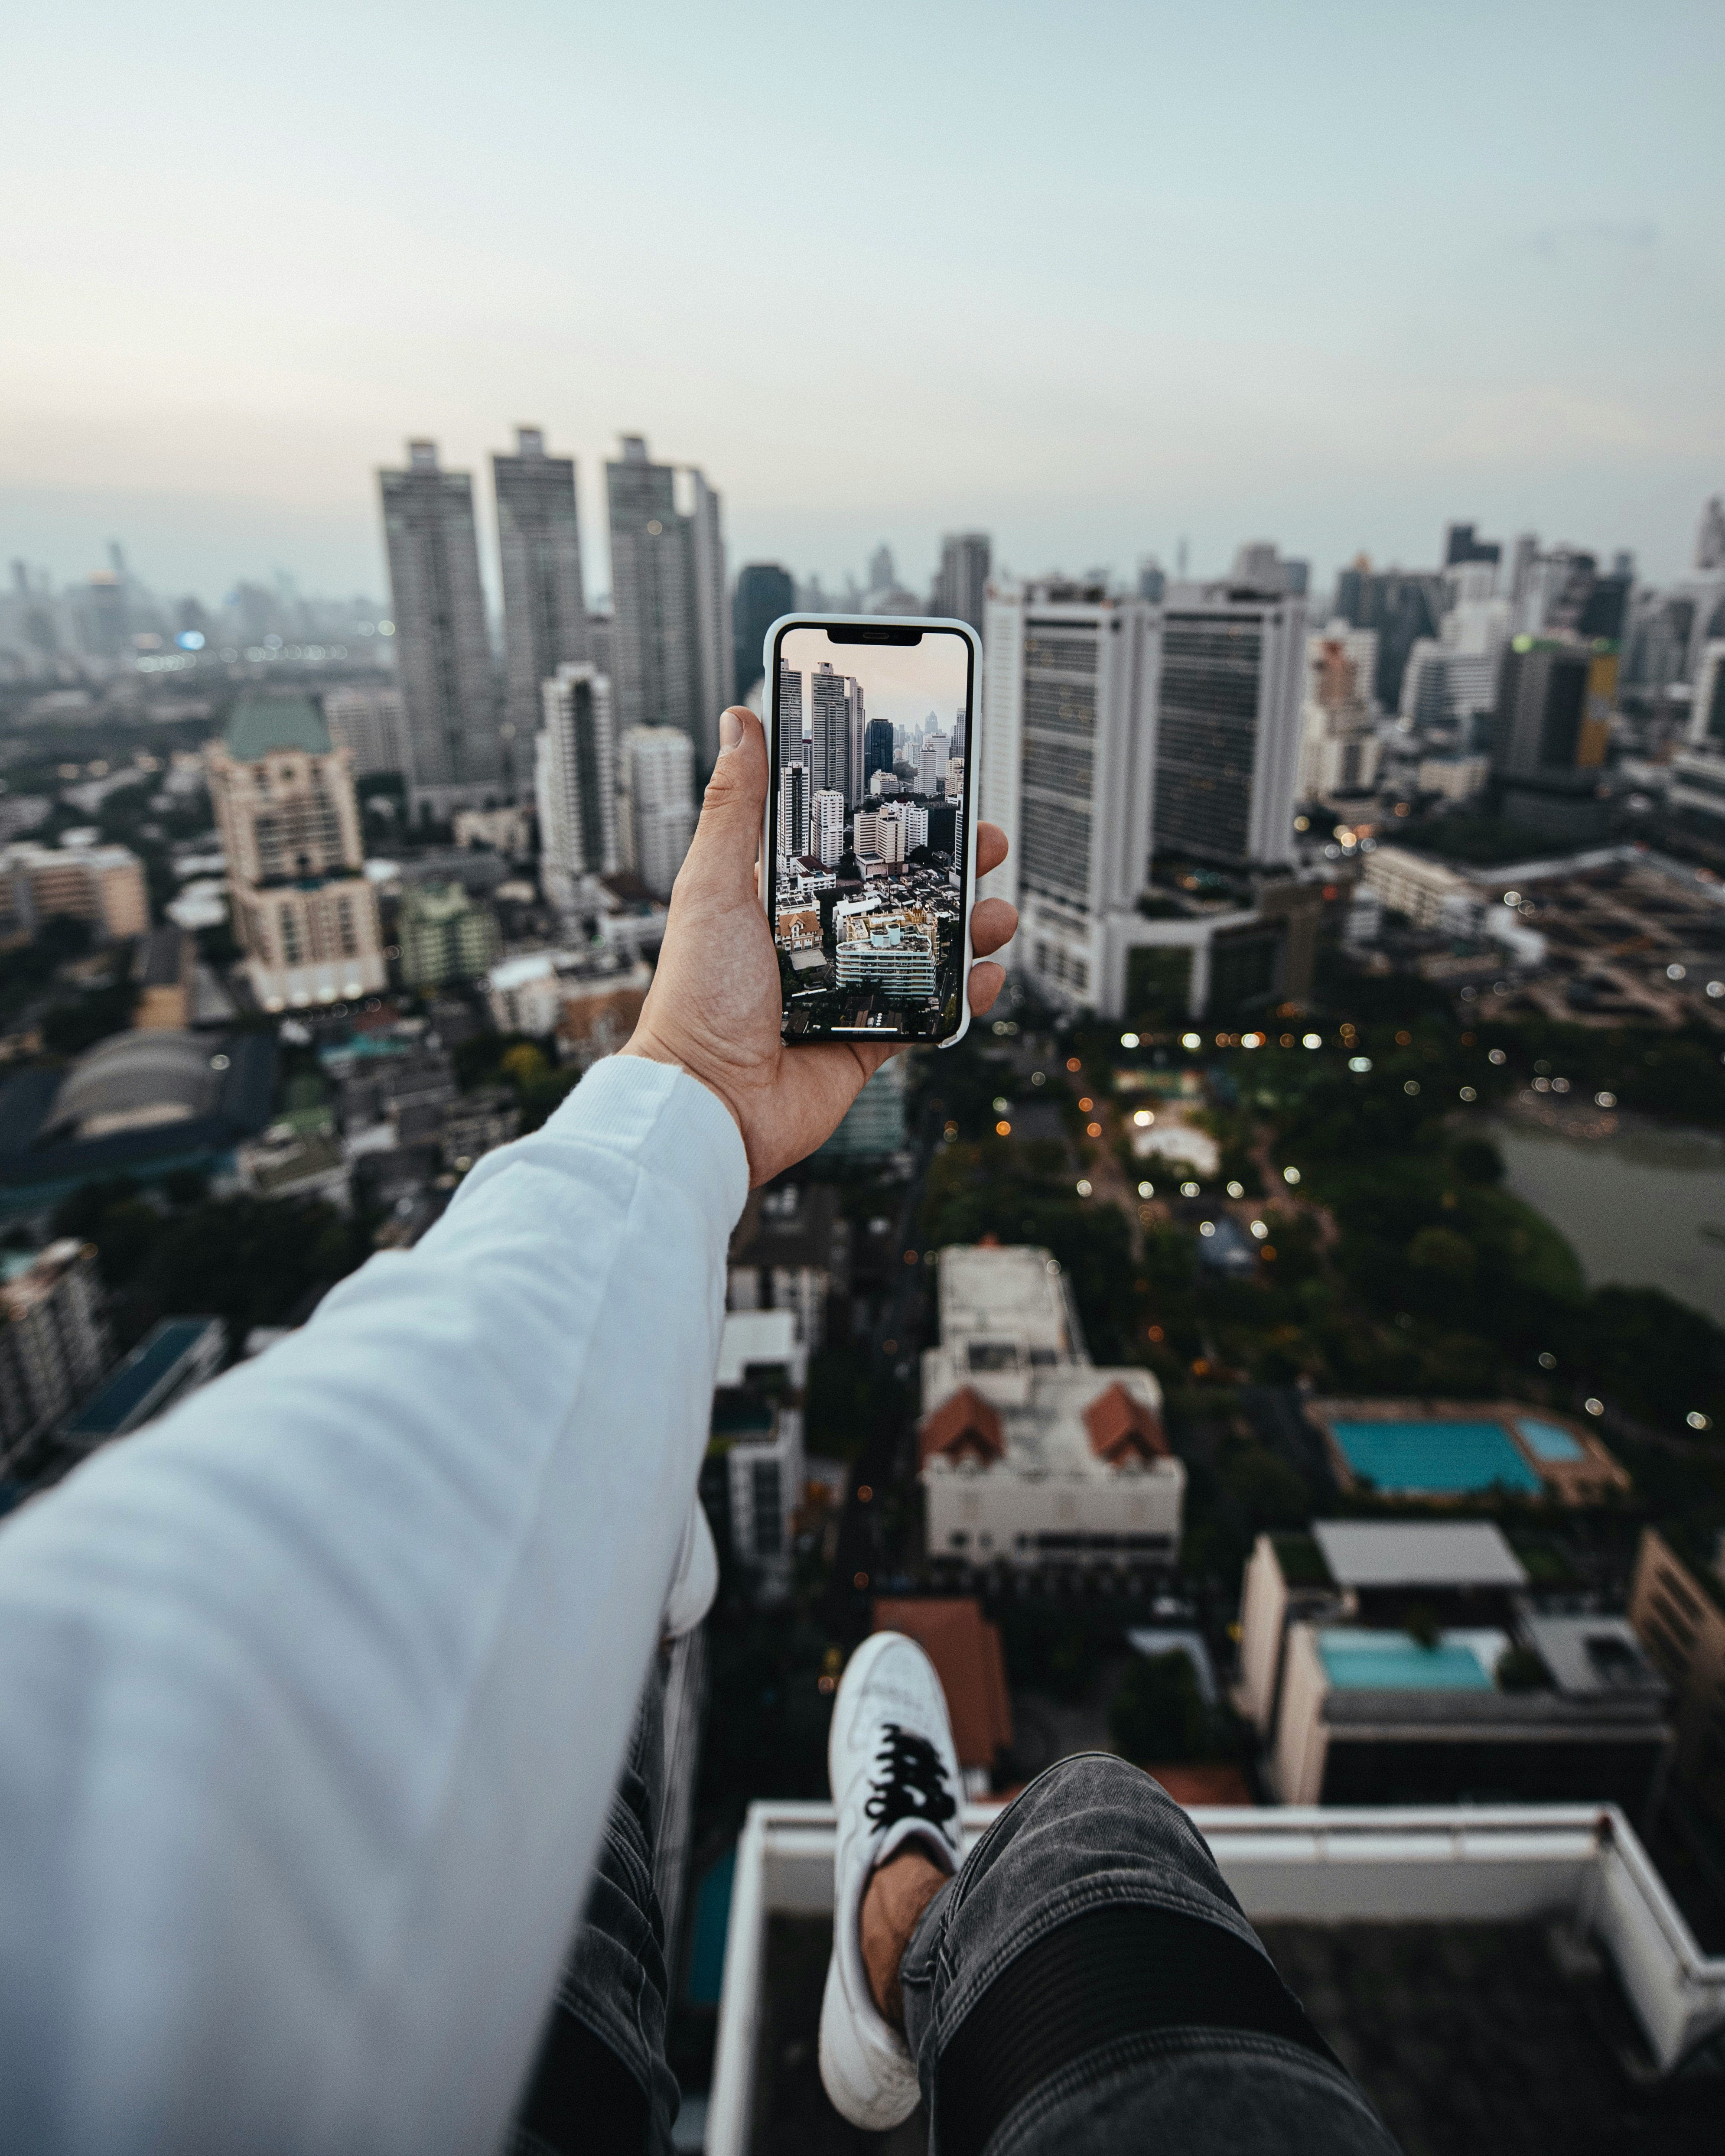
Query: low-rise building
1452	778
1031	1455
1678	1611
478	1123
164	970
102	885
599	1010
174	1358
1413	884
752	1481
286	1162
444	936
1405	1662
791	1251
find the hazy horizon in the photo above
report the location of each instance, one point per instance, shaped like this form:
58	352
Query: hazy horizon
1093	284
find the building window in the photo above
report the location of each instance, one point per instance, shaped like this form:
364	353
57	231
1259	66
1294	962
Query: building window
292	948
344	921
768	1518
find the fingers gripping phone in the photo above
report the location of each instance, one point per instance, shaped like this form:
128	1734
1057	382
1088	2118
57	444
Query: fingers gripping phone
868	850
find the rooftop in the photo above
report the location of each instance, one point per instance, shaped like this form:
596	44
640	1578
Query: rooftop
1512	1978
261	725
1417	1553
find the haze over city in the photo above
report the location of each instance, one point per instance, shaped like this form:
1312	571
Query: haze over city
1098	282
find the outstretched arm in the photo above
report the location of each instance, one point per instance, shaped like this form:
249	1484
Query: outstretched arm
312	1696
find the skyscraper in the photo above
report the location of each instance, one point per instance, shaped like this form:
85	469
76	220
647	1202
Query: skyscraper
961	583
826	826
1550	732
673	659
790	713
1461	547
793	811
859	726
302	909
1228	726
764	592
442	654
575	783
1070	687
544	604
877	748
829	732
659	772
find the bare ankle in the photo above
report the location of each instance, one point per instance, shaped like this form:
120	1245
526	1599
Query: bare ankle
892	1907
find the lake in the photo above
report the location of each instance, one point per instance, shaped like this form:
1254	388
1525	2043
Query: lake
1634	1204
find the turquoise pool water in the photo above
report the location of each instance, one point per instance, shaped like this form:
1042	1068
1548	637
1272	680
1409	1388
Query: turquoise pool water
1548	1440
1390	1661
1440	1456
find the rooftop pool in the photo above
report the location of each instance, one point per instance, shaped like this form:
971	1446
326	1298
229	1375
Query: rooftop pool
1391	1661
1439	1457
1550	1440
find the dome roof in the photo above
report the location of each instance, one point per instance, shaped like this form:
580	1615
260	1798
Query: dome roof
134	1080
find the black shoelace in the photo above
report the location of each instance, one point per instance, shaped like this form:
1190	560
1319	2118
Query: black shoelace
912	1782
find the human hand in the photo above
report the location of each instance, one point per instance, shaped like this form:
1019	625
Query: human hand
714	1005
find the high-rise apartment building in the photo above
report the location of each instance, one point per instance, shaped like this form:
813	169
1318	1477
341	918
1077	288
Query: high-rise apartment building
1707	712
544	599
877	750
658	805
575	783
791	748
826	826
793	811
302	909
931	763
54	1342
1227	724
961	584
443	653
764	592
1550	733
673	656
1069	689
830	704
368	723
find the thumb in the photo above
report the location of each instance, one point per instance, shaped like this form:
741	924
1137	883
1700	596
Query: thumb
728	835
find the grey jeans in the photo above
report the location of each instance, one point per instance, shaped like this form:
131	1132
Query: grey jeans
1086	1982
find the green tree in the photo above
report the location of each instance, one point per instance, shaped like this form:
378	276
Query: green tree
1157	1716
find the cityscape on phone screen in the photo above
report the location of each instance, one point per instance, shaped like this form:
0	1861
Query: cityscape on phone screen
869	843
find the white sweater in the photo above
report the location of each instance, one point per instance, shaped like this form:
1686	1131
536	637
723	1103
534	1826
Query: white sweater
313	1696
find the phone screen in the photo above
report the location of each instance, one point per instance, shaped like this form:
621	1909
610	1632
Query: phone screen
869	839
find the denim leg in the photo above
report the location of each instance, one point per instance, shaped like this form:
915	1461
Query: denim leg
600	2085
1095	1844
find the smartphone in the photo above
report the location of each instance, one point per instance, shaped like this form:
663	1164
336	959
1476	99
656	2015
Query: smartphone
868	850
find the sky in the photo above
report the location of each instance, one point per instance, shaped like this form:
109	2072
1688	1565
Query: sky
903	684
1097	277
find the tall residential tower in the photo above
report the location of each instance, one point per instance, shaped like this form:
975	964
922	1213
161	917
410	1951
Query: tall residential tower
544	604
673	659
443	653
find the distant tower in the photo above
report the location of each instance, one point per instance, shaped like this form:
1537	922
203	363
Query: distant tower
793	811
961	584
829	732
1710	539
764	592
881	575
790	714
673	659
658	768
442	652
575	782
544	605
303	911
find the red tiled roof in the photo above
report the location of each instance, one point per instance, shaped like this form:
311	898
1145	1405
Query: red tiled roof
965	1650
1120	1425
964	1420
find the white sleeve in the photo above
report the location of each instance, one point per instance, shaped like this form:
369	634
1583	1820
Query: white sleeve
312	1696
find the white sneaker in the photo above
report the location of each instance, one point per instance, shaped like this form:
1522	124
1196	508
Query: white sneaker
695	1580
895	1779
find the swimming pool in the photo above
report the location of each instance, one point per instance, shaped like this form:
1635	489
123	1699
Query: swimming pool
1441	1458
1391	1661
1550	1440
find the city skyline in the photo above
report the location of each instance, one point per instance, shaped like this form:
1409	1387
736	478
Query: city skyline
1521	318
